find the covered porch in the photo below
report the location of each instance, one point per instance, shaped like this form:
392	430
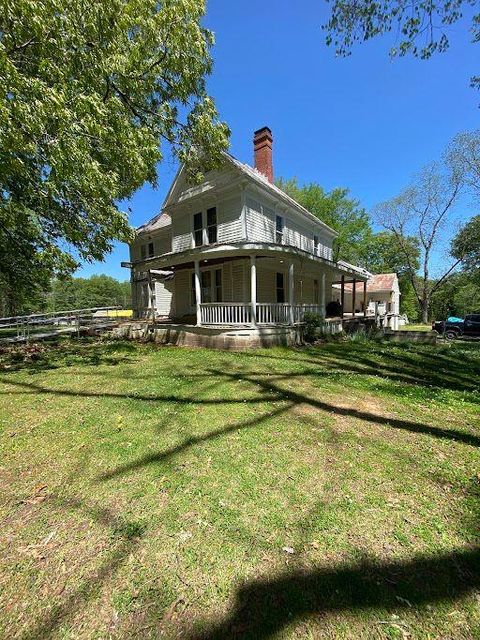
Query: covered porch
248	286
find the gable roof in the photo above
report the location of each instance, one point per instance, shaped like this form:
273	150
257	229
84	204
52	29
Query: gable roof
254	175
262	180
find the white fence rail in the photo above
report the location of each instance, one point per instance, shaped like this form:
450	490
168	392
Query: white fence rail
240	313
39	326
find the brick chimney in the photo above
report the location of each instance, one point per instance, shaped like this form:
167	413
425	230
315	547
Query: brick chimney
262	149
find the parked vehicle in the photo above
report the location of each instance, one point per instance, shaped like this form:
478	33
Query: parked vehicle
453	328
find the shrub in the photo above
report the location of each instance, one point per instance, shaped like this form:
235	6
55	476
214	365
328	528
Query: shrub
311	322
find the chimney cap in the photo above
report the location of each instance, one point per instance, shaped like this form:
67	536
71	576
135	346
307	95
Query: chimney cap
262	130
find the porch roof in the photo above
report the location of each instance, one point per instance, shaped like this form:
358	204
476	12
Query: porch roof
245	249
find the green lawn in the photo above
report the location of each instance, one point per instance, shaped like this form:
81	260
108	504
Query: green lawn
416	327
328	492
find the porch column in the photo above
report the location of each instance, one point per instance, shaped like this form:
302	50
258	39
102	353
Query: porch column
365	299
342	295
354	293
322	296
151	295
253	289
198	291
291	292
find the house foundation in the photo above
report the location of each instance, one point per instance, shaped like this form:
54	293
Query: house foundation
225	338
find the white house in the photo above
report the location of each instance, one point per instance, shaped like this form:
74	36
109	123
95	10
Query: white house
234	252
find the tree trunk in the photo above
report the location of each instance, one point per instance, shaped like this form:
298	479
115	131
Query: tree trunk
425	309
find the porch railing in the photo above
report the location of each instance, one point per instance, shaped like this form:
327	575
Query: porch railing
273	313
240	313
226	313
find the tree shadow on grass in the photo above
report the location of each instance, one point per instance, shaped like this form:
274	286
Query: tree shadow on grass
36	358
291	399
263	607
422	368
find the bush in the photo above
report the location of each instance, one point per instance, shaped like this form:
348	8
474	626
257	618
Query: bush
311	322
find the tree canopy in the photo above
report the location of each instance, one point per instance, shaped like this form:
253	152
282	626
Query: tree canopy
337	209
466	245
421	27
91	92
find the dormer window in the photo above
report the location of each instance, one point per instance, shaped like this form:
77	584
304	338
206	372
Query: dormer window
205	227
279	230
315	245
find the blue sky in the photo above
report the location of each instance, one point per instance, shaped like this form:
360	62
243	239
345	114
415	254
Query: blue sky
365	122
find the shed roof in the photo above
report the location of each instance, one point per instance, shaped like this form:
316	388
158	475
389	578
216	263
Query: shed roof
377	282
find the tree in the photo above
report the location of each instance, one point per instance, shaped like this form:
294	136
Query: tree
379	254
93	89
465	246
421	27
464	154
423	209
338	210
82	293
458	295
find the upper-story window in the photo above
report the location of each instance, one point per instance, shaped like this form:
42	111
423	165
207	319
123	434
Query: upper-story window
205	227
315	245
212	225
198	229
147	250
279	230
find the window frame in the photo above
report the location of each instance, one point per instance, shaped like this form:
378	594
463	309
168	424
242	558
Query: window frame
279	233
214	288
206	229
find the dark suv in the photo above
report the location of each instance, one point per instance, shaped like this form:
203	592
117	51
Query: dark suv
470	327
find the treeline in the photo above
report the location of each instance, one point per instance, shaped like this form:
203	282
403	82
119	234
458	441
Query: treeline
73	293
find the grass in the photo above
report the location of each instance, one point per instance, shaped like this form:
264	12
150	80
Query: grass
415	327
324	492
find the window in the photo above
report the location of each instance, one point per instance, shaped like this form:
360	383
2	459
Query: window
279	230
280	288
212	225
198	229
205	227
218	286
211	284
316	292
147	250
315	245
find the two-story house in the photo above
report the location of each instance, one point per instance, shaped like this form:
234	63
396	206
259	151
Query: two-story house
235	252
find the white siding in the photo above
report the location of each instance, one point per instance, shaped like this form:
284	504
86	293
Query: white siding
260	222
229	220
182	292
181	231
162	243
164	297
239	281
